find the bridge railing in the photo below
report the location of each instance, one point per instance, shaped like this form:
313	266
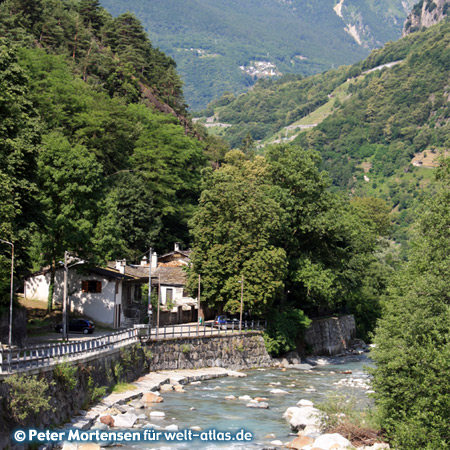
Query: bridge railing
38	356
23	359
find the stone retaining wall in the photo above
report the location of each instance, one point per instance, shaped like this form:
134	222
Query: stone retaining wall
98	373
233	352
330	336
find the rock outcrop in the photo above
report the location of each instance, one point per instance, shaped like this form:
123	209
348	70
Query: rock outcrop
425	14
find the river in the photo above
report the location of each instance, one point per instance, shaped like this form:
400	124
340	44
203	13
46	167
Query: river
213	411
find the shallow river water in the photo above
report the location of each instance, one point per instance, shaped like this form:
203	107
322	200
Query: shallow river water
213	411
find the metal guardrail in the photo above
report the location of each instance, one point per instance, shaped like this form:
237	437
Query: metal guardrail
206	329
27	358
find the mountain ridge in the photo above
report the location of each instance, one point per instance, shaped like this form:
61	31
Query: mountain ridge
211	42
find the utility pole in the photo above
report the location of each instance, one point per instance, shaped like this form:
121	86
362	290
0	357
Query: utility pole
65	333
149	310
198	306
242	302
159	301
11	298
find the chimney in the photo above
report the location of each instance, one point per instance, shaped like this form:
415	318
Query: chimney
154	260
120	265
177	247
144	261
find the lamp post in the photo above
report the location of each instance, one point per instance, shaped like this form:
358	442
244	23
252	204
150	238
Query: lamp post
65	334
65	325
149	310
242	302
198	306
10	298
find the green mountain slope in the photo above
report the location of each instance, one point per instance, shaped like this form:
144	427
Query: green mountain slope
379	131
95	155
210	40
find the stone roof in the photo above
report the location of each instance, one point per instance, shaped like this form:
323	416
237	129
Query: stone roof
169	275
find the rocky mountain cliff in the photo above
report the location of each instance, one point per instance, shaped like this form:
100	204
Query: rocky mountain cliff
425	14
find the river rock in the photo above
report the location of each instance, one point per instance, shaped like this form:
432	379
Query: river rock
278	391
100	426
245	397
107	420
157	414
300	442
113	411
332	441
196	382
260	399
311	389
303	402
179	388
125	420
301	417
277	443
172	427
166	388
89	446
196	428
230	397
234	374
150	397
262	405
301	366
69	446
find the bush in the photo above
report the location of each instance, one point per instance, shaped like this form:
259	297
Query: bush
66	374
28	396
283	329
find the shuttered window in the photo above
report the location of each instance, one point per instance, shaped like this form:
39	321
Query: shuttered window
91	286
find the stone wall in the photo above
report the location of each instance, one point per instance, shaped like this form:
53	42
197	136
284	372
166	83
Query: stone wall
330	336
233	352
96	374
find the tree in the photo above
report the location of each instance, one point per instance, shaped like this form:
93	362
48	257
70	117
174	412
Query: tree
412	353
19	136
70	187
233	231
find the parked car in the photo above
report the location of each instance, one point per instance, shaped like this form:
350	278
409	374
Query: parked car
81	325
225	322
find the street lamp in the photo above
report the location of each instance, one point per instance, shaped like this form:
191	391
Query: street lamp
65	334
149	309
242	301
10	297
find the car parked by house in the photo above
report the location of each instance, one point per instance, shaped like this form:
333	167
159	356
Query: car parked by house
77	325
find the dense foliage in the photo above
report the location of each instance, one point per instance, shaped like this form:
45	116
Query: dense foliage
89	163
371	123
273	221
413	339
210	40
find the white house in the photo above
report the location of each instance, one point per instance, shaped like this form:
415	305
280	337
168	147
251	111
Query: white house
112	295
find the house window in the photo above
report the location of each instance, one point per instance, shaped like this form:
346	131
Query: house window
169	295
92	286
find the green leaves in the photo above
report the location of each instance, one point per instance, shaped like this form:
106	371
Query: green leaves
413	338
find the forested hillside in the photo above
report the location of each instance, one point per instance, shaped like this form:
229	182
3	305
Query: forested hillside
370	126
89	163
215	44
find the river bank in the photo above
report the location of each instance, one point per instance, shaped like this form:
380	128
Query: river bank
216	398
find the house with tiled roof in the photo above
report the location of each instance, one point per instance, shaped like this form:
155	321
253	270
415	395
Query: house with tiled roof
112	295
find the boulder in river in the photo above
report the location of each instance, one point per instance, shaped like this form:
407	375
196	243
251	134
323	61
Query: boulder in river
151	397
331	441
300	442
125	420
299	418
278	391
303	402
107	420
